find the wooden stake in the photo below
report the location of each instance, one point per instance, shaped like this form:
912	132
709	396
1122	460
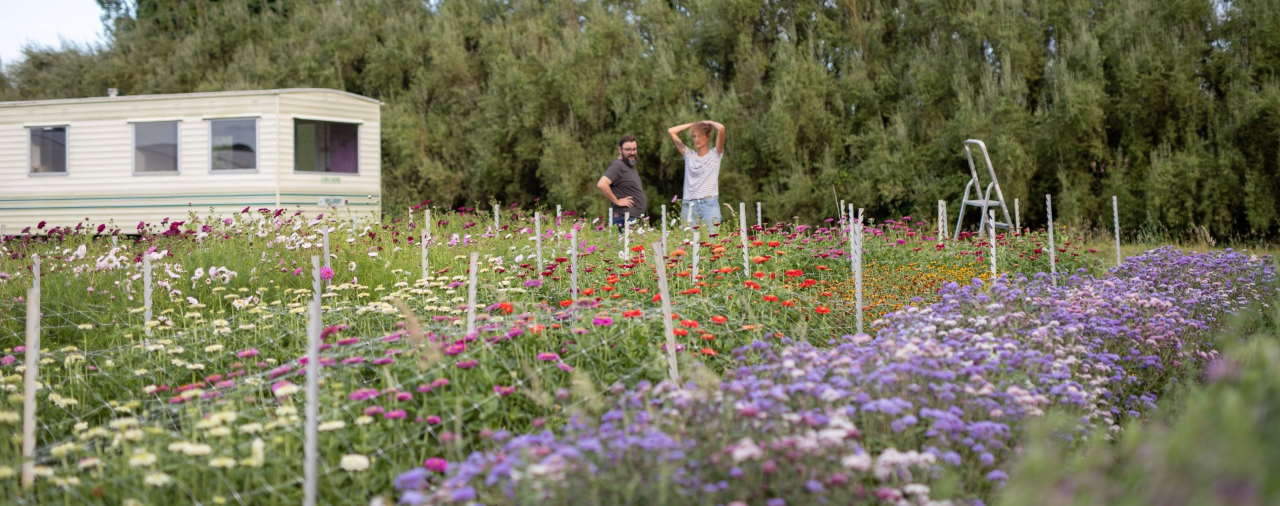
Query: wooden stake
30	375
310	453
1115	216
471	294
537	232
1053	264
673	370
146	293
742	232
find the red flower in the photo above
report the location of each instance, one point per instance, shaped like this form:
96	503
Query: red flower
566	303
789	303
794	273
689	323
680	332
637	248
506	307
774	244
771	298
822	309
708	352
691	291
719	319
632	313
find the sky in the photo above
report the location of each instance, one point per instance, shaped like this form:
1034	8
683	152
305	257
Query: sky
47	23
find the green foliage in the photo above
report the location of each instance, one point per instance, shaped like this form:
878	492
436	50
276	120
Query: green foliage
1214	448
1173	106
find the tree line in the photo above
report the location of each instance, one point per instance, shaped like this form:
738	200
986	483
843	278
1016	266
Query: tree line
1173	105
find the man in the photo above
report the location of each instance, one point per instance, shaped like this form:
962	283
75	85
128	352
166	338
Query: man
621	183
701	171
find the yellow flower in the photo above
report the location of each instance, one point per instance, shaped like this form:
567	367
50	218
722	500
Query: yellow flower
6	472
222	462
331	425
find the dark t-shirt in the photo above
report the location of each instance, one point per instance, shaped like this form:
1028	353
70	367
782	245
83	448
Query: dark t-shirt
626	183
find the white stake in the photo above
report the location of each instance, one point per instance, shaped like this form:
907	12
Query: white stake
742	232
325	231
497	219
1017	217
471	294
310	455
857	263
1115	216
609	223
664	227
759	217
573	264
697	245
841	211
537	232
626	235
426	237
991	221
146	293
672	370
30	376
353	225
1053	264
942	219
557	217
113	242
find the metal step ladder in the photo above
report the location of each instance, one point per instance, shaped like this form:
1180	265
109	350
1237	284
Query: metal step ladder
982	197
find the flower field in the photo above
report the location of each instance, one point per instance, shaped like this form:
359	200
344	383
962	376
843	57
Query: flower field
552	398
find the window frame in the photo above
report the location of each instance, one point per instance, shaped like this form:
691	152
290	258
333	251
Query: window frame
177	147
66	150
257	144
293	125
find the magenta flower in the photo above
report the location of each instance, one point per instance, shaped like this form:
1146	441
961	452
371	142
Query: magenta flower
382	361
503	391
436	464
397	414
352	360
403	396
602	321
433	420
374	410
251	352
548	357
467	364
363	394
326	273
348	341
533	283
564	367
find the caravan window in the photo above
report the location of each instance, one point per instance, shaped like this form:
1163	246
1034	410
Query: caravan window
49	150
234	144
325	146
155	147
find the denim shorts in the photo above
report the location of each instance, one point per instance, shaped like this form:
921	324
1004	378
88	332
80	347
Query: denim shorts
704	210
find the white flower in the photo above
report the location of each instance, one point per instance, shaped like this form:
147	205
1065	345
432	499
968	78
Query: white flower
250	428
9	417
197	449
220	431
257	454
746	449
285	389
364	420
142	458
6	472
331	425
63	449
89	462
222	462
123	423
354	462
857	461
157	479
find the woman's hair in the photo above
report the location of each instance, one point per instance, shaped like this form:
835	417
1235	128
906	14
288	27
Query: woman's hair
704	127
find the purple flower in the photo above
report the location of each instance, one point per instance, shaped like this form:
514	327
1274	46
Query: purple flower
602	321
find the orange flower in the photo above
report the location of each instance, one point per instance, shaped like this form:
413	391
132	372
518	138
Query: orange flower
657	297
691	291
632	313
789	303
774	244
822	268
719	319
751	284
758	274
757	243
771	298
689	323
708	352
822	309
760	259
588	291
506	307
683	274
566	303
637	248
717	250
707	337
680	332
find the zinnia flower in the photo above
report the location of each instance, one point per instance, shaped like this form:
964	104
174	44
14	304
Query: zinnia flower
354	462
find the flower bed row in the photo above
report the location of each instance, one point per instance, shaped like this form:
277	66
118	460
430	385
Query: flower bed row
928	411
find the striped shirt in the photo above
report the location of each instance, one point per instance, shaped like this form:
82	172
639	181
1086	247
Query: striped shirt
701	174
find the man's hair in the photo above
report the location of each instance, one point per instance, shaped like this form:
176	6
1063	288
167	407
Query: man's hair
625	139
704	127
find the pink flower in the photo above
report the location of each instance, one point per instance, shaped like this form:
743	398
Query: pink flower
436	464
503	391
548	357
348	341
382	361
326	273
467	364
403	396
397	414
374	410
363	394
251	352
352	360
433	420
564	367
603	321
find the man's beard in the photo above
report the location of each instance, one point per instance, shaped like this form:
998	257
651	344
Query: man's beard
630	161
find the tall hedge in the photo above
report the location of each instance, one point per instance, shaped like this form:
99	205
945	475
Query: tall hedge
1173	105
